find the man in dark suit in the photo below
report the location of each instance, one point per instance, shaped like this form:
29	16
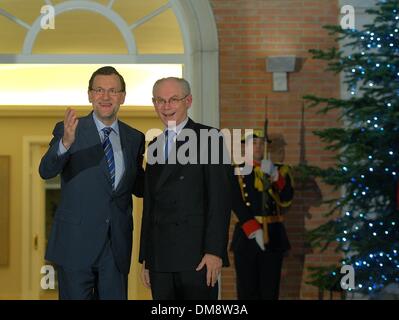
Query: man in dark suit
100	162
186	213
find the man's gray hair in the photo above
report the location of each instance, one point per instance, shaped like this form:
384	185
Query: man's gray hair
183	83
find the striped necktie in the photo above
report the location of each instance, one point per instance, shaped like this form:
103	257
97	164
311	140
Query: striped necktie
109	154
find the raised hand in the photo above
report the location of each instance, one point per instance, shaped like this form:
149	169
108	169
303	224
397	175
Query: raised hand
70	124
269	168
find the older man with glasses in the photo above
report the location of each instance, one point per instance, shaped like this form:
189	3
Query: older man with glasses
186	214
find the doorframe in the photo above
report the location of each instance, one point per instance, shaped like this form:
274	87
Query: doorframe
32	223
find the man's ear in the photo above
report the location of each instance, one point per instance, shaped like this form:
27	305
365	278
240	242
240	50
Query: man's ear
189	101
89	95
122	98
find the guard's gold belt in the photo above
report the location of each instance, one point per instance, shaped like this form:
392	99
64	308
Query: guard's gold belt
265	220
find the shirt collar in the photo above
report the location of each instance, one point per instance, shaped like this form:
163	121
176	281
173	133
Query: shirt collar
178	128
101	125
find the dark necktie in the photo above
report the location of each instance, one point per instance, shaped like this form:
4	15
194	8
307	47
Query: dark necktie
109	154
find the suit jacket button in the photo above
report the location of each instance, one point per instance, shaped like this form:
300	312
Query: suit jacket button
181	177
107	220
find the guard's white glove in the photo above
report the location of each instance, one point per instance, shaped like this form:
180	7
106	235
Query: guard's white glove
269	168
258	235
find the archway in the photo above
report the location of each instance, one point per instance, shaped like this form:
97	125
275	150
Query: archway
200	57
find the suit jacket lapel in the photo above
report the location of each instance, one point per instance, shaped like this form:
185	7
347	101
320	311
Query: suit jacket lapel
171	168
89	130
126	146
162	168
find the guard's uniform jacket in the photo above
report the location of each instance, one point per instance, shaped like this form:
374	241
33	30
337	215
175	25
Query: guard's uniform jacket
247	205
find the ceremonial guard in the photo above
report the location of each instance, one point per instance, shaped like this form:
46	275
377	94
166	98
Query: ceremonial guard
259	200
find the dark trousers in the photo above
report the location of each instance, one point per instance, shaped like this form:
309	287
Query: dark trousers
257	272
185	285
101	281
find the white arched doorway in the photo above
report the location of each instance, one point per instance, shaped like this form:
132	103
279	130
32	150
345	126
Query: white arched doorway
199	60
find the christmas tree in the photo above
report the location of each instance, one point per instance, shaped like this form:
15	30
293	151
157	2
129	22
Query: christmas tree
363	221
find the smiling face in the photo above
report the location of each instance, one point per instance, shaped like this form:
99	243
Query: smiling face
106	105
171	112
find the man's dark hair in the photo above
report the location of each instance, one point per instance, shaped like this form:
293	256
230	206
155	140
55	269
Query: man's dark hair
106	71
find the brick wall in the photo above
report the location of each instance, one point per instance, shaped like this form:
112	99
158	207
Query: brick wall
249	31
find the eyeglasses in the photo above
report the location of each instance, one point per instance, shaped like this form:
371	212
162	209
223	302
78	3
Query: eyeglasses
172	101
101	91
